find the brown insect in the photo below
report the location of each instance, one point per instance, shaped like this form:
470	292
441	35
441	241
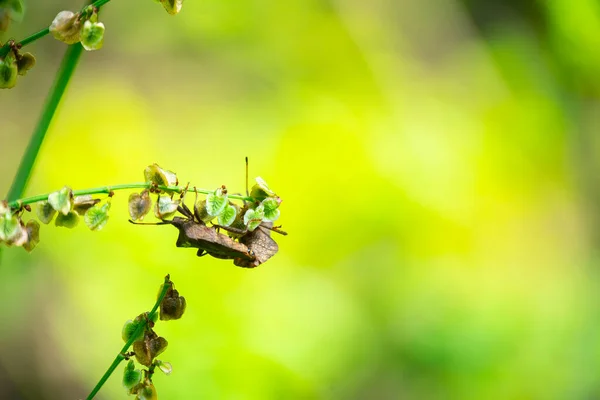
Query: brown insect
194	233
252	249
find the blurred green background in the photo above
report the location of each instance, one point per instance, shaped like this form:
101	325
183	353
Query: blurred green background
438	166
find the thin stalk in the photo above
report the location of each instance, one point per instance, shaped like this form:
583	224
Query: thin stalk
40	34
108	189
34	37
121	356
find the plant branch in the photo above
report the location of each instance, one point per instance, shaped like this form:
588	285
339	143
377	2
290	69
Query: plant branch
108	189
38	35
120	357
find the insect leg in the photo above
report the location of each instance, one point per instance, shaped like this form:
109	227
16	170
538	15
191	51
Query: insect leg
201	252
232	229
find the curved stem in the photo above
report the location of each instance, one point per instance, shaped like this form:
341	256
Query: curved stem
38	35
124	186
120	357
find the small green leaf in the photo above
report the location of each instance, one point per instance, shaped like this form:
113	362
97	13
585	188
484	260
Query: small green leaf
165	207
254	217
172	6
216	202
68	221
228	215
83	203
92	35
164	366
66	27
8	72
260	190
131	376
97	216
139	205
45	212
155	174
271	210
61	200
33	235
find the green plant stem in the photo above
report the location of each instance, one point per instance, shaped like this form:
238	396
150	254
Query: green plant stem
34	37
38	35
63	76
138	332
108	189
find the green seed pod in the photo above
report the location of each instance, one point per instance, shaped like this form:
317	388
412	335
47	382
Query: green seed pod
92	35
201	213
254	217
97	216
172	6
45	212
11	228
69	221
33	235
61	200
165	207
139	205
216	202
155	174
25	63
261	190
129	329
147	392
8	72
83	203
131	376
271	208
230	212
238	223
66	27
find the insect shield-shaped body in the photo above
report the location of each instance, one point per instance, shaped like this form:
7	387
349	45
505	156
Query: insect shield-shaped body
260	244
208	241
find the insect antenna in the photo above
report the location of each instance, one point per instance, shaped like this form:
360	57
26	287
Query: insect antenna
247	193
274	229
